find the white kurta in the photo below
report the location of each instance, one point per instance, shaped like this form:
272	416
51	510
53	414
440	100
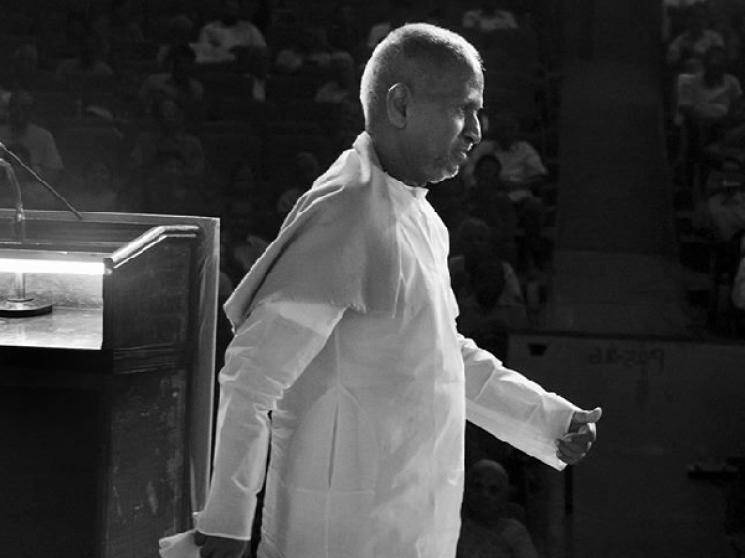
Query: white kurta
368	408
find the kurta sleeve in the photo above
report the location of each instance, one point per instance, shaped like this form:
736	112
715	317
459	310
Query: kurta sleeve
268	353
514	409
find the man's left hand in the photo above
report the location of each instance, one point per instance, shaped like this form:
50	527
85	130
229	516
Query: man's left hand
575	444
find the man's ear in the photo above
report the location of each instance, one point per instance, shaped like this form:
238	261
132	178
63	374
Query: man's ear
397	103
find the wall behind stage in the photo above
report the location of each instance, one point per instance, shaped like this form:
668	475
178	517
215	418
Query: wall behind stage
666	405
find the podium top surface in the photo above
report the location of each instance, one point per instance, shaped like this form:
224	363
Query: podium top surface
64	328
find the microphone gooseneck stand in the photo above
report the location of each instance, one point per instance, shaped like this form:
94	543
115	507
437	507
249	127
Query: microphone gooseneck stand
20	305
41	181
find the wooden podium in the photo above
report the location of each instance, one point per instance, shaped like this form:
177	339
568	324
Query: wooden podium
106	403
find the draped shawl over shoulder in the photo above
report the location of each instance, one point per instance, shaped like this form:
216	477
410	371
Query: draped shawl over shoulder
337	246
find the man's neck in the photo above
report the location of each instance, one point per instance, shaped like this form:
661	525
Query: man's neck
393	161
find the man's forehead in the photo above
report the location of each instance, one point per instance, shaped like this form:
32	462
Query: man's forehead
466	84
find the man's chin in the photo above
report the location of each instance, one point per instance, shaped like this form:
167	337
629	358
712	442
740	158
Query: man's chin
447	173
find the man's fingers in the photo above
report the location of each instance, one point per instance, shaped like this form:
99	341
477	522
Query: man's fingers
586	417
583	436
568	457
572	449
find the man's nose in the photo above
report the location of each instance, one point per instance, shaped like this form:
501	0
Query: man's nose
472	129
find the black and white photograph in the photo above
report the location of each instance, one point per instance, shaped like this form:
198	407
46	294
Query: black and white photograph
391	279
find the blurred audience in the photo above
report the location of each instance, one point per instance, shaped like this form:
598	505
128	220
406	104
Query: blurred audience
98	189
485	285
522	167
341	85
88	63
725	205
169	136
686	51
20	130
171	188
118	24
522	176
177	84
344	31
710	96
398	12
180	30
305	171
219	39
489	17
489	201
489	527
234	38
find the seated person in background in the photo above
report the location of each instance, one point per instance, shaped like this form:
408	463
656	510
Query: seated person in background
486	287
401	11
96	189
709	104
24	74
341	86
687	50
118	24
235	39
169	135
711	95
33	194
522	167
306	170
25	71
89	62
218	38
491	304
488	200
43	155
169	188
450	202
310	49
726	203
177	84
246	202
489	528
180	30
488	18
248	250
344	32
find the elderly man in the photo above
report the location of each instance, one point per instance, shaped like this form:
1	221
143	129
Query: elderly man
345	331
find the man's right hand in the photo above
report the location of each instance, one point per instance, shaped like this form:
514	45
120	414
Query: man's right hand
219	547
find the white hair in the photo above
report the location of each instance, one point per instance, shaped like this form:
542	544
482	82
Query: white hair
411	54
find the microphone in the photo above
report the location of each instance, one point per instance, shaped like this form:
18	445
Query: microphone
19	220
19	305
40	180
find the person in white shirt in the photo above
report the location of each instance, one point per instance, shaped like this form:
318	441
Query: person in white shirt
219	38
234	39
345	332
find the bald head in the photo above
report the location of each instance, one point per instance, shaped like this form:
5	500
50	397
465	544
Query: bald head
419	55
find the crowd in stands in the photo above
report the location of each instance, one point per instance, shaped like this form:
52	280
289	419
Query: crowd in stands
232	109
705	56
